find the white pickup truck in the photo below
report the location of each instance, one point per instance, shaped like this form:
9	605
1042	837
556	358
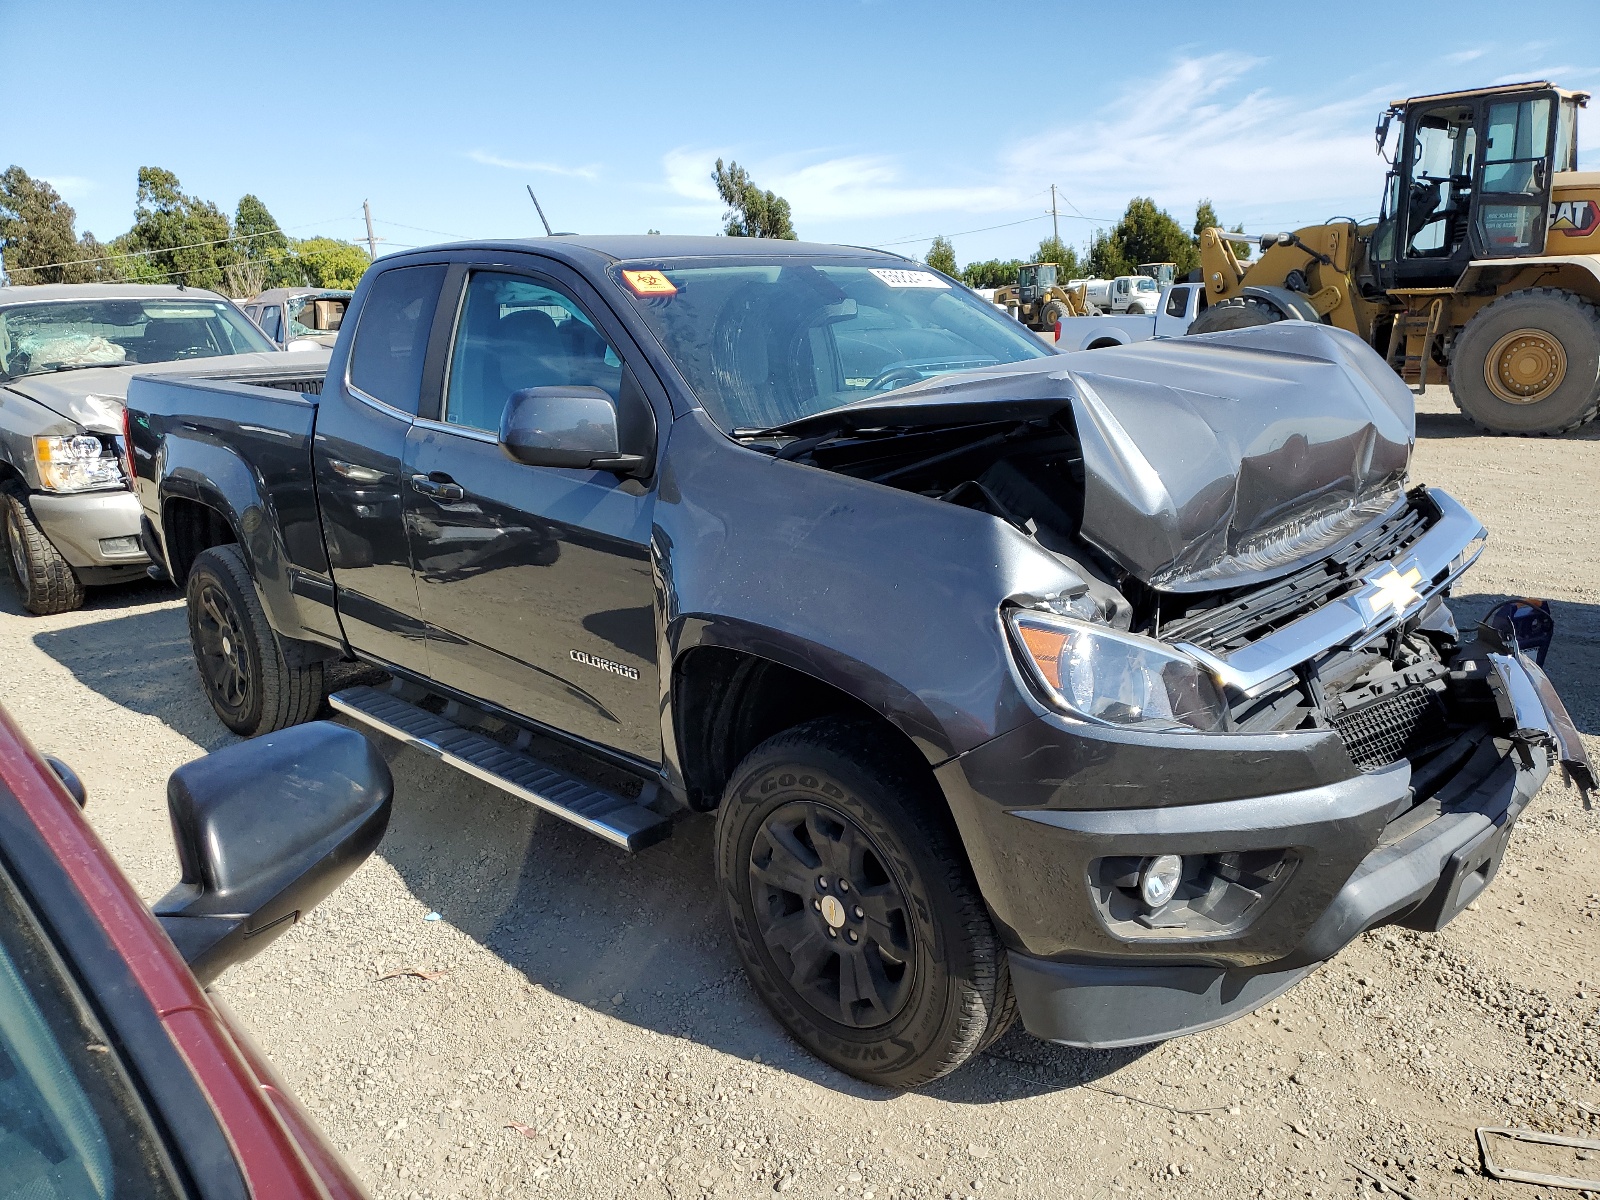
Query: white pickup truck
1179	305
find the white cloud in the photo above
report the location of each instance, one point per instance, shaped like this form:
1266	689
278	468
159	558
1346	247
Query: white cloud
849	187
494	160
1194	131
72	187
1557	75
1465	56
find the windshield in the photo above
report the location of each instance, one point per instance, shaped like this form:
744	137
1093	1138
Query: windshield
63	335
1145	284
316	316
765	341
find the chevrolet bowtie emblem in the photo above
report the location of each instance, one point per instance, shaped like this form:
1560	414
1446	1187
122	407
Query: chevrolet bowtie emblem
1391	589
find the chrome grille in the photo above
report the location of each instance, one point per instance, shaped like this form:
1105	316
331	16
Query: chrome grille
1243	618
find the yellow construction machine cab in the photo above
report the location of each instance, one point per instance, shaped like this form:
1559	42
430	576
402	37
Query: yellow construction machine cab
1035	281
1470	179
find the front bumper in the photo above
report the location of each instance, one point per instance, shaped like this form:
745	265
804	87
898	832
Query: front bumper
1044	808
96	532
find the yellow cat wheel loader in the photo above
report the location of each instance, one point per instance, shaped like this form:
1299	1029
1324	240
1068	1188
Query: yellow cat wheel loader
1038	300
1482	270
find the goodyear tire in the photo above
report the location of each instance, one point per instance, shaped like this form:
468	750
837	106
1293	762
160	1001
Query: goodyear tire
854	908
45	580
1241	313
250	684
1529	363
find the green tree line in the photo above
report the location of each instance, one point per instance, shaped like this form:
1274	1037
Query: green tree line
175	238
1145	234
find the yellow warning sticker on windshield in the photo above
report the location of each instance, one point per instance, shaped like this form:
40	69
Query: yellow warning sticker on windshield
649	283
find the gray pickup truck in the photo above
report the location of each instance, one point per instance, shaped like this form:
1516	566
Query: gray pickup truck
66	355
1116	689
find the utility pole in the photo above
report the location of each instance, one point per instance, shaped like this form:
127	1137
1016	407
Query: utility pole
372	238
1055	223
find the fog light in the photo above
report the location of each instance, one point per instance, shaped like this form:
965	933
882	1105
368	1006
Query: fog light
1159	879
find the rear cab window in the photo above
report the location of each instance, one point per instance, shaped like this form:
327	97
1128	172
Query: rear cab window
391	338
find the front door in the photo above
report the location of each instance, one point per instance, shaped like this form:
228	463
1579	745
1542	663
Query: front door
362	422
1514	173
1439	149
535	582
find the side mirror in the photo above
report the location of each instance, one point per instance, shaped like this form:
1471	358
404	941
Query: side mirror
265	830
571	426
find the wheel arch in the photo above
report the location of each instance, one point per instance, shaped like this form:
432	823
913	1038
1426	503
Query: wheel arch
1575	273
1292	305
219	499
725	700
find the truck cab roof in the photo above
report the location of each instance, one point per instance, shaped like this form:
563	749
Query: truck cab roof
628	247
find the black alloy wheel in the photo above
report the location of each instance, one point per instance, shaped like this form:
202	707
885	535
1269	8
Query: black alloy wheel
251	681
853	906
219	650
832	914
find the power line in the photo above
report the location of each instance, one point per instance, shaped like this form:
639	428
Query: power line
237	237
964	233
420	228
1007	225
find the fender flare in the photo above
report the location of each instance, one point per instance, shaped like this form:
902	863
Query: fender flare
209	474
858	680
1292	305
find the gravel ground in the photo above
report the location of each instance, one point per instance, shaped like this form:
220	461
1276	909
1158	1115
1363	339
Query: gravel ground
574	1022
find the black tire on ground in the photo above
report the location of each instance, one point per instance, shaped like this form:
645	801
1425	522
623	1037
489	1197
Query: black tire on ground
1240	313
1053	312
45	579
825	827
1529	363
241	664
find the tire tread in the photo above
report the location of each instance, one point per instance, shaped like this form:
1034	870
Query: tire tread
1590	313
986	1005
290	695
52	586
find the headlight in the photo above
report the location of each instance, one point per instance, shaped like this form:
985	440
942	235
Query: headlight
1118	678
76	464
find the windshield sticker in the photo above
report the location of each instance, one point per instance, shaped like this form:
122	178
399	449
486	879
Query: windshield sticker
896	278
649	283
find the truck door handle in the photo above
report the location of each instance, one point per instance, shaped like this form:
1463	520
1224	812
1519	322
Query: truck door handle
440	488
354	472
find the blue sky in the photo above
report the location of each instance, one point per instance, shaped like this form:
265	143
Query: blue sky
882	122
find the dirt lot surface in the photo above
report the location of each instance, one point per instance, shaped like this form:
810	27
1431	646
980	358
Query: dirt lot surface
589	1032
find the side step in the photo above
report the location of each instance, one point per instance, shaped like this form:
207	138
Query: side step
619	821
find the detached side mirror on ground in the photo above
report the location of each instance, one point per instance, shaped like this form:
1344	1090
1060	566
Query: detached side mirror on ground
565	427
265	830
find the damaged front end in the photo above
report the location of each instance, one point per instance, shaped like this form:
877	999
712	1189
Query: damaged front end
1261	730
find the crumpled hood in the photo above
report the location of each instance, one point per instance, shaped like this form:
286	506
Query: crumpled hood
93	396
1211	461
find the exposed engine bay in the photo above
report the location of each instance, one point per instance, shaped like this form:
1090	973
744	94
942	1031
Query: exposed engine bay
1203	517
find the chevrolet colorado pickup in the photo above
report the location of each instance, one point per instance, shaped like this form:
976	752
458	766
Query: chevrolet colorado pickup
1117	690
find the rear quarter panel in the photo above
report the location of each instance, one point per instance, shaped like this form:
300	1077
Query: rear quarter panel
244	452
